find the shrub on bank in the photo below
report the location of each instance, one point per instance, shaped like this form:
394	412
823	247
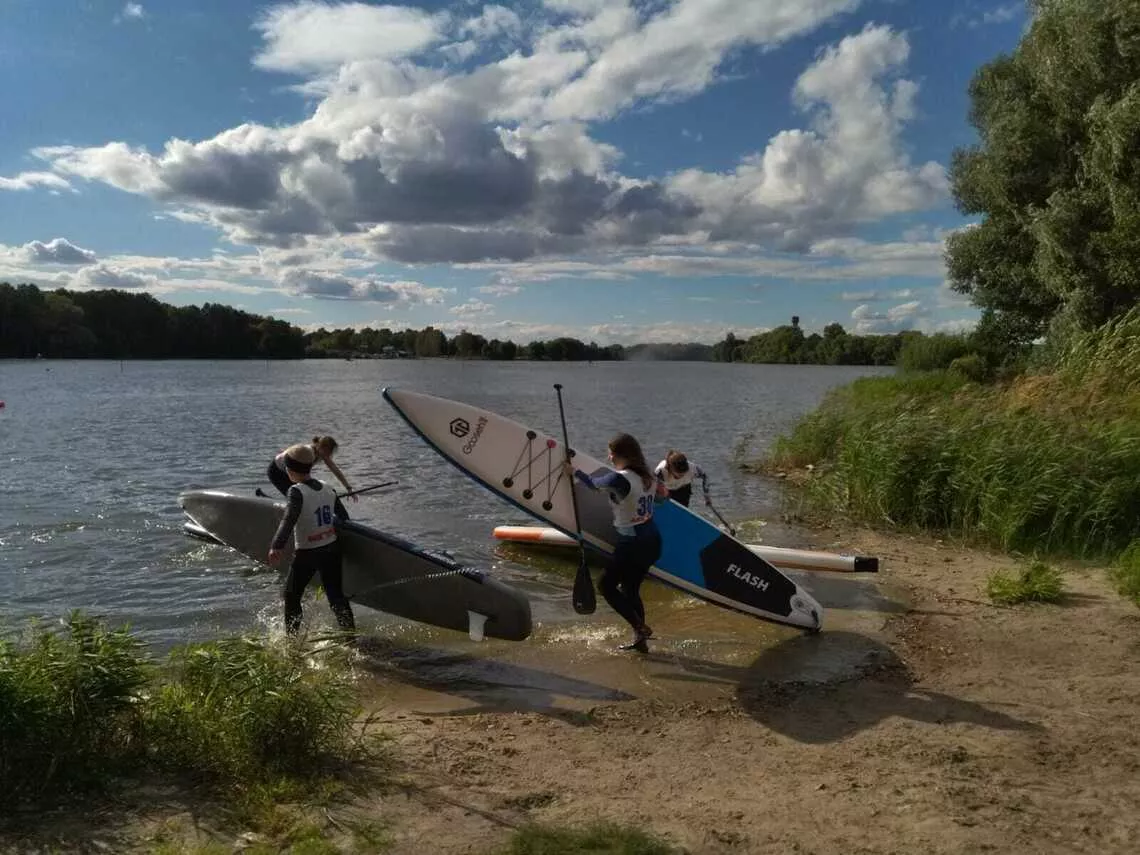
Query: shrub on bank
599	838
932	352
69	700
1047	463
1037	583
1126	572
81	705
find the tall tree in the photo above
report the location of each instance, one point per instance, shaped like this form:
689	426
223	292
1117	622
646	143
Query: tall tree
1055	175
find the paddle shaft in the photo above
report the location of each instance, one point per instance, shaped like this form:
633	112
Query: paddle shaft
731	530
366	489
584	601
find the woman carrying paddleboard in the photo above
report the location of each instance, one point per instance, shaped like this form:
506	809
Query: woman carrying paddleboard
309	519
633	490
323	448
678	474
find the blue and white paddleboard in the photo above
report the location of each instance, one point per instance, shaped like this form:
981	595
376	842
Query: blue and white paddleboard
524	466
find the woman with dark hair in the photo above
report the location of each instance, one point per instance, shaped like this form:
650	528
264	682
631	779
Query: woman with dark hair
677	473
633	489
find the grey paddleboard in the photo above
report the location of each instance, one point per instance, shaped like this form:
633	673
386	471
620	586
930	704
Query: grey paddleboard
381	571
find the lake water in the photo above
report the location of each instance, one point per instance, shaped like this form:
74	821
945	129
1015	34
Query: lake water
96	454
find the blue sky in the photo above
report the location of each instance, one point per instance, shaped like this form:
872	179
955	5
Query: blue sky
615	170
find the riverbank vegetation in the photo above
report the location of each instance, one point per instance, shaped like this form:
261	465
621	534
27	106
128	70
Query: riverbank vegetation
83	707
1021	434
264	737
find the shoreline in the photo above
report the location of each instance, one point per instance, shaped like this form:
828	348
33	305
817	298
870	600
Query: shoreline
952	725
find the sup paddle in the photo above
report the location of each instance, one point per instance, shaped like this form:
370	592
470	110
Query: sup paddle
584	600
366	489
264	495
727	524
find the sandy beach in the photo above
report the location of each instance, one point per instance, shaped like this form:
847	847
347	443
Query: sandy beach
923	719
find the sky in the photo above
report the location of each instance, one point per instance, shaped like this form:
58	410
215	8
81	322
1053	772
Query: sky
614	170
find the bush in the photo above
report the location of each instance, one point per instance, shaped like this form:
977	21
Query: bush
931	352
69	707
601	838
1037	583
245	709
971	366
1126	572
80	705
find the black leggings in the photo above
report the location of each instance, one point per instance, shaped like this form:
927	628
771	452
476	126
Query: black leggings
682	494
621	582
278	478
307	562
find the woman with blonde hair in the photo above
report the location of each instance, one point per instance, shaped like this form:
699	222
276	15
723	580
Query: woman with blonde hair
323	448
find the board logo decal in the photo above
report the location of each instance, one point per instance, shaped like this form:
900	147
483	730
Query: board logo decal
469	446
460	428
731	570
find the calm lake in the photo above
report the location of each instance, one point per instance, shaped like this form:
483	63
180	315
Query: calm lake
97	453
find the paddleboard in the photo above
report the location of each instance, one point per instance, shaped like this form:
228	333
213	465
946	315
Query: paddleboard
524	466
381	571
779	556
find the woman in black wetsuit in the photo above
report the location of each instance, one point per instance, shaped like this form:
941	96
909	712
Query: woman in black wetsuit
633	490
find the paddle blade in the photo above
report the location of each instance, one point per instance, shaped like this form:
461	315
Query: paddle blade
584	600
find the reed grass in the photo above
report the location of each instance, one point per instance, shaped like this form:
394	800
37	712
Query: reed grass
598	838
1126	572
69	703
81	706
1049	463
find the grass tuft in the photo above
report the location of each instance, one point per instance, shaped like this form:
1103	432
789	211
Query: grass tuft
600	838
1036	583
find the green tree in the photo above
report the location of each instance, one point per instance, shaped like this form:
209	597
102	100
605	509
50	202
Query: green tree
1055	175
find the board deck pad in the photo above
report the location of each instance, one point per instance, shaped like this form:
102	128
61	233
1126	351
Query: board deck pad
524	466
381	571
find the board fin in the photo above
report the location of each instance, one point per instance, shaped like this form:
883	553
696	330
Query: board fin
475	623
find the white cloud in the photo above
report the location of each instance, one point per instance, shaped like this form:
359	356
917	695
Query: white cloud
130	12
673	53
113	276
31	180
472	309
337	287
875	296
500	290
849	168
416	161
314	36
1003	13
57	251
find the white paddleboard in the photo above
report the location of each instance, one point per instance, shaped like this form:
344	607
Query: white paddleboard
781	557
523	466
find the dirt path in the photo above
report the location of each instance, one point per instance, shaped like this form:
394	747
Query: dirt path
964	728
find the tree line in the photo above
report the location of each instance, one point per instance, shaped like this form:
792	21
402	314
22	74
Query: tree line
116	324
789	345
